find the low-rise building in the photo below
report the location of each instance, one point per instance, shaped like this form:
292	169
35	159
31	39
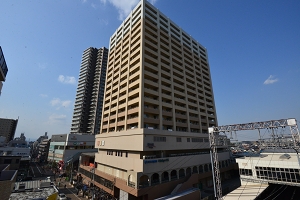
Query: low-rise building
43	150
263	171
18	156
7	180
276	166
40	189
68	147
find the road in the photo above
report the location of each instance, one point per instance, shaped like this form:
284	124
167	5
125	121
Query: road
36	170
69	192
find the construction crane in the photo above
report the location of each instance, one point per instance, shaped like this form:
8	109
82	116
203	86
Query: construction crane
216	140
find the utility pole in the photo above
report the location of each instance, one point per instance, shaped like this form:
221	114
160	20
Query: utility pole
215	164
93	181
53	155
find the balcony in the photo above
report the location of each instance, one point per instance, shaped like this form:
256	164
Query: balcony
121	114
132	92
133	83
133	120
151	91
112	125
151	110
153	75
131	111
151	120
181	124
194	126
167	122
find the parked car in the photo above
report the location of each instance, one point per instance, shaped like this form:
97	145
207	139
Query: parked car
62	196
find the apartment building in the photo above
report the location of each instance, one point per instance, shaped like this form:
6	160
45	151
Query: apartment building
158	105
3	69
8	128
89	98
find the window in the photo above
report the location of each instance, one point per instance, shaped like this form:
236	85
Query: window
246	172
159	139
178	139
188	139
197	139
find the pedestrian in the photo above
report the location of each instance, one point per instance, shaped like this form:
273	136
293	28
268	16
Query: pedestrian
65	185
58	184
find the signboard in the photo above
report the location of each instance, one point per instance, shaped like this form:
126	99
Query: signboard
79	143
156	160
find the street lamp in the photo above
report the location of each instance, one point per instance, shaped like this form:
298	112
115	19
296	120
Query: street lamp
53	155
53	152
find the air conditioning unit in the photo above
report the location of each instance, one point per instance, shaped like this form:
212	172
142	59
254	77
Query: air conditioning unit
170	130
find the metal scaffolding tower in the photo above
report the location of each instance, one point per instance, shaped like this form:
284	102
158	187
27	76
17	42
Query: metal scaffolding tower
216	140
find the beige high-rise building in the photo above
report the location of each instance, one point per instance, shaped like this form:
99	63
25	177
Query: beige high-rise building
158	105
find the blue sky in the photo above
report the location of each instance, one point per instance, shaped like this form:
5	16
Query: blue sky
253	46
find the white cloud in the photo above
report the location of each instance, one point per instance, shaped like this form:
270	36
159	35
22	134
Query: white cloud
66	79
152	1
124	7
42	65
55	118
270	80
93	5
44	95
56	102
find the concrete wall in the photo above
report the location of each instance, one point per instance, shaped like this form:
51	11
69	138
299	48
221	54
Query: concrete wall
147	166
6	189
139	139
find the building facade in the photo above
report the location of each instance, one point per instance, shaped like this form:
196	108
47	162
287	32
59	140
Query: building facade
279	166
3	69
89	98
158	105
8	128
43	150
8	178
68	147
